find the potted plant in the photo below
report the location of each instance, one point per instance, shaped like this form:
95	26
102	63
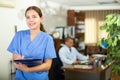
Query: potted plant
112	27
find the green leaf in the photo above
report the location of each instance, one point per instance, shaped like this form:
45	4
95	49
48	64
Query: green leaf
115	41
118	21
102	27
113	20
108	17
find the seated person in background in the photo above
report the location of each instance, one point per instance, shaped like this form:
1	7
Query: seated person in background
69	54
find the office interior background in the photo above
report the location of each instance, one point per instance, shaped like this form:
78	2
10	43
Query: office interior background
55	14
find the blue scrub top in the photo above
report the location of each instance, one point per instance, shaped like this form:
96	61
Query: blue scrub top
42	47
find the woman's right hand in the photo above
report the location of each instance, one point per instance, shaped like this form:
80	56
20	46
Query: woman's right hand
17	56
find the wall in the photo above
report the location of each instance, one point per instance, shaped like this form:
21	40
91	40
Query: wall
6	33
8	19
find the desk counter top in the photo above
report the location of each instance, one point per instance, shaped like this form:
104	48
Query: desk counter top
94	70
98	73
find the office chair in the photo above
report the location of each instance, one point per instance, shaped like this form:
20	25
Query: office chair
56	71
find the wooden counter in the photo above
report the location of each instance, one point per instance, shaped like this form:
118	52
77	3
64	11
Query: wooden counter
99	73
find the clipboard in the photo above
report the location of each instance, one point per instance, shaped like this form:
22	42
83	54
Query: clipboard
29	62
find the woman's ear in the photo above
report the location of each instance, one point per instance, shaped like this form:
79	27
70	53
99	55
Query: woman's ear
41	19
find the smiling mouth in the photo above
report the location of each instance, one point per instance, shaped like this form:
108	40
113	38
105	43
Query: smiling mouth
32	24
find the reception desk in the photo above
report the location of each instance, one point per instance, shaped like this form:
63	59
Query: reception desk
98	73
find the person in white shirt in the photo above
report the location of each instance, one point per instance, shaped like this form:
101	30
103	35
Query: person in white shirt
69	54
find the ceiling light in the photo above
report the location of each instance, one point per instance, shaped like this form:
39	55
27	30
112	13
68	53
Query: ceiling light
107	1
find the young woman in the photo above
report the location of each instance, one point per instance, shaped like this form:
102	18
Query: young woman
33	43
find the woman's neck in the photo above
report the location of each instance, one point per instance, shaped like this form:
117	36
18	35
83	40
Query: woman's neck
34	32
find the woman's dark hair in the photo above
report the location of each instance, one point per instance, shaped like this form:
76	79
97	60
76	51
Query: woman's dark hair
39	13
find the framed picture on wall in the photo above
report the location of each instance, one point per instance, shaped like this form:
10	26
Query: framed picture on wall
66	31
7	3
61	31
71	31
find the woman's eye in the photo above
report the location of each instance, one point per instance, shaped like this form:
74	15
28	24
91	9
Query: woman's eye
34	16
27	17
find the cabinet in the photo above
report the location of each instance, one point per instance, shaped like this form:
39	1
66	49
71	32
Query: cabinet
93	49
76	19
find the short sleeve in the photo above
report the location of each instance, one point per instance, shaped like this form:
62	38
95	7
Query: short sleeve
14	46
50	50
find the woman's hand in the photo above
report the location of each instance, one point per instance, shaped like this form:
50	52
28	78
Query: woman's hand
17	56
21	67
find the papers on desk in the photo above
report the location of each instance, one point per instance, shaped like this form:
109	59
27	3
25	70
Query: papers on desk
83	66
99	55
84	61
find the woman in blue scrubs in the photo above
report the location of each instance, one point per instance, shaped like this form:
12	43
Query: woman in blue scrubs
33	43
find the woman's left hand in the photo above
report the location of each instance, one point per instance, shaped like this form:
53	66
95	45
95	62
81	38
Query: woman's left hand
22	67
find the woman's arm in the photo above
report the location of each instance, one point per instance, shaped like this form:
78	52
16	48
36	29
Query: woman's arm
43	67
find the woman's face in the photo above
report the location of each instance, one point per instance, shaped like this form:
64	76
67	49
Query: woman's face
33	19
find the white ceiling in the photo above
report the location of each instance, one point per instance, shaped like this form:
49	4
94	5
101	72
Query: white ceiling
89	4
